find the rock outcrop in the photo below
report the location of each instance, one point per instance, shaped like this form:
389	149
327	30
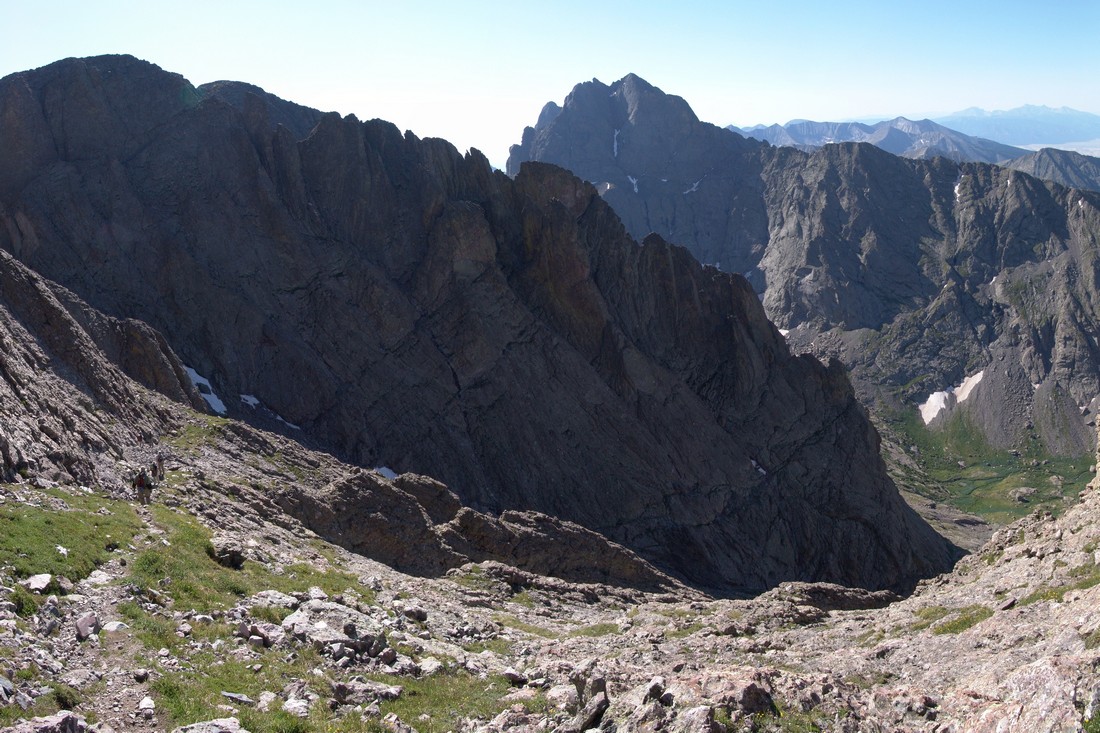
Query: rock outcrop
917	274
406	306
1062	166
65	404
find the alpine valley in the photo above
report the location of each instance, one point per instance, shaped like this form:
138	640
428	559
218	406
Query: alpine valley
453	450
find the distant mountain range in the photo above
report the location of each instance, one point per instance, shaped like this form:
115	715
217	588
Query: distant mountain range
1027	125
925	139
921	139
921	275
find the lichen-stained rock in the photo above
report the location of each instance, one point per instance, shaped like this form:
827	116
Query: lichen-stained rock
404	305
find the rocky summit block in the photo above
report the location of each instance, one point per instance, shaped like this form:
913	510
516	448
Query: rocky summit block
506	337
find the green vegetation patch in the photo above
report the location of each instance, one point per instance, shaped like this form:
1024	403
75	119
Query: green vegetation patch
1083	576
60	697
595	630
928	616
989	479
446	698
514	623
966	618
70	543
185	571
199	431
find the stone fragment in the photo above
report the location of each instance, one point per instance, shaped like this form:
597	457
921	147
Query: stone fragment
516	679
297	707
61	722
37	583
695	720
86	625
227	550
358	691
238	698
218	725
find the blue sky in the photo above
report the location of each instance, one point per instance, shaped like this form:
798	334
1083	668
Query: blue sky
476	73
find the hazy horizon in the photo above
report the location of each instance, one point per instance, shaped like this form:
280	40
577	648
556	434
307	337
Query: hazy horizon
478	75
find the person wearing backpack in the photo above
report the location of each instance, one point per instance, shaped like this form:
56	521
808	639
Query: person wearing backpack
143	486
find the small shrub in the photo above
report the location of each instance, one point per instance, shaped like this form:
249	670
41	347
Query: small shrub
26	603
66	698
928	616
270	614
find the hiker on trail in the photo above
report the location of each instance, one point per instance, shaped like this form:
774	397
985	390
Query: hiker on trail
143	485
158	468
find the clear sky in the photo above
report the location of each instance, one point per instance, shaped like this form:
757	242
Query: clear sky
476	73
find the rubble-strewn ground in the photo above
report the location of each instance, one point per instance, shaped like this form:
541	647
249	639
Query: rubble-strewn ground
213	604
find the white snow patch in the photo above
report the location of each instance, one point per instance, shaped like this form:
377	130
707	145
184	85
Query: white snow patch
958	183
202	384
385	472
250	400
968	384
784	331
936	402
694	186
615	145
290	425
1080	203
993	280
939	401
664	180
758	468
633	180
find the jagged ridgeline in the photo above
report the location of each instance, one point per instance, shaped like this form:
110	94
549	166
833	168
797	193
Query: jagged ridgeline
405	305
923	276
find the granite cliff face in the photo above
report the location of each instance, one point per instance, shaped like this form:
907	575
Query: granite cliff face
920	275
404	305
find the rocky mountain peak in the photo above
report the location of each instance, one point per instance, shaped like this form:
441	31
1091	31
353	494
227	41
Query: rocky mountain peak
917	274
404	306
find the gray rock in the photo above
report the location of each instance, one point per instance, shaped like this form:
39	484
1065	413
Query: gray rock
358	691
37	583
238	698
297	707
62	722
87	625
324	623
227	550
